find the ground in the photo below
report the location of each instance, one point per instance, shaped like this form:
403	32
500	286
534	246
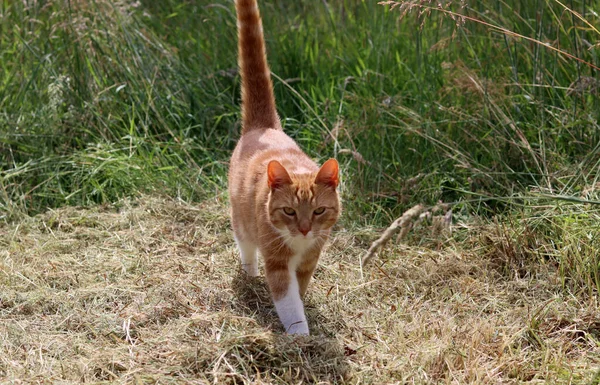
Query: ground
149	290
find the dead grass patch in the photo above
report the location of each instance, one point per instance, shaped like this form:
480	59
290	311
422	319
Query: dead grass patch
149	291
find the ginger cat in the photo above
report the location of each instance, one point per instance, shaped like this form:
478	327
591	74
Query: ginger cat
282	203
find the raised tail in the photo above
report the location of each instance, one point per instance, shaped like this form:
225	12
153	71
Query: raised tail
258	100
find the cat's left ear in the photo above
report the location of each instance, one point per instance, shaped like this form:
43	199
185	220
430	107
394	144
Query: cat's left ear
328	174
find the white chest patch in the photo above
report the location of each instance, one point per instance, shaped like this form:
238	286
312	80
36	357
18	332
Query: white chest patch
299	244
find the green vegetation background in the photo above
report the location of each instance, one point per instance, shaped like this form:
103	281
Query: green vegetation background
105	99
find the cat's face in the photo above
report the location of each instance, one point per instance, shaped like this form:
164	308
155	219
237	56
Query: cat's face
303	207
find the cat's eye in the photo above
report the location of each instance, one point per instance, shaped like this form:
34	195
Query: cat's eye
319	211
289	211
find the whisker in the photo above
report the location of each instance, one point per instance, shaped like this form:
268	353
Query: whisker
283	238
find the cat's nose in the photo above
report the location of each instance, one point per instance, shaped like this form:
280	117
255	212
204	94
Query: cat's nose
304	231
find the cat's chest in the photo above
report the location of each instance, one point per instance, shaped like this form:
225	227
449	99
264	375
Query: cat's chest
300	246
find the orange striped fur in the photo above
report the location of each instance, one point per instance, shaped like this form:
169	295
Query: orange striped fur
283	204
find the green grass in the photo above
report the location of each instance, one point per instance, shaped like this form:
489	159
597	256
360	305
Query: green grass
101	100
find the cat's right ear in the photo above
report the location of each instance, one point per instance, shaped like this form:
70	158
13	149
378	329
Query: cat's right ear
277	175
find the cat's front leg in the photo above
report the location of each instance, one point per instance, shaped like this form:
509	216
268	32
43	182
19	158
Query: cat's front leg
285	290
305	272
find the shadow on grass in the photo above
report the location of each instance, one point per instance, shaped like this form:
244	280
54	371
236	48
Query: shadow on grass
312	359
253	299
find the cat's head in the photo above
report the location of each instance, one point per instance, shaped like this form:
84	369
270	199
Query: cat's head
303	206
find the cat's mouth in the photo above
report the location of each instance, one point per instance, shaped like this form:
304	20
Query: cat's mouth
298	241
298	236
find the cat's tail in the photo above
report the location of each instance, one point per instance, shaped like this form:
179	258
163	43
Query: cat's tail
258	100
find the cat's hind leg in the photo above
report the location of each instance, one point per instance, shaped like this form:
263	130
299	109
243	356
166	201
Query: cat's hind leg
248	256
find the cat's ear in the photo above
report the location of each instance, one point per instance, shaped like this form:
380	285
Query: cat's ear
328	174
278	175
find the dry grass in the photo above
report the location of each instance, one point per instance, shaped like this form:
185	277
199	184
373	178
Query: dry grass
149	291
